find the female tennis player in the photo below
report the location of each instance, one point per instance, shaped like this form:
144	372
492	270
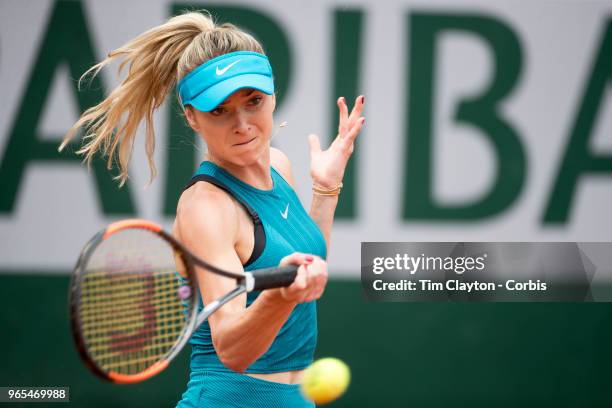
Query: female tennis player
239	211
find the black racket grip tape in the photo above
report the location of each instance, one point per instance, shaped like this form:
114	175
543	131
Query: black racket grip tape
277	277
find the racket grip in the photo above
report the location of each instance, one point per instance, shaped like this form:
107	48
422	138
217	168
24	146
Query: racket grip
277	277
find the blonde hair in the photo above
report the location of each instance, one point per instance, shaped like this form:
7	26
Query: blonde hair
156	61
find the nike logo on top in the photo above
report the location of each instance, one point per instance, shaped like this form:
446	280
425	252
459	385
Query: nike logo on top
286	213
224	70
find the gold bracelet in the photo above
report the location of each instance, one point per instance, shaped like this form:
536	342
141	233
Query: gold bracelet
327	192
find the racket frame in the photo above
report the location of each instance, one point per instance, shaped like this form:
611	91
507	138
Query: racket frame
245	283
75	296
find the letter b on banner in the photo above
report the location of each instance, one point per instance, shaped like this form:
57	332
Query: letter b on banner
480	111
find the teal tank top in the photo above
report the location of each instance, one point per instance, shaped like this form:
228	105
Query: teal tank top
282	226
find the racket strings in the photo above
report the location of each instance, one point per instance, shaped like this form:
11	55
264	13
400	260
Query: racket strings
125	279
124	300
160	321
93	323
130	345
93	319
129	307
134	305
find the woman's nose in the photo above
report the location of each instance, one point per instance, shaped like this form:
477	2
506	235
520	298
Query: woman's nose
241	124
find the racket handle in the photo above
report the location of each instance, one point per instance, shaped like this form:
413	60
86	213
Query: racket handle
277	277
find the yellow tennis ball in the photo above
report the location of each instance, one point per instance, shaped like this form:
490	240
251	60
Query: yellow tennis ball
325	380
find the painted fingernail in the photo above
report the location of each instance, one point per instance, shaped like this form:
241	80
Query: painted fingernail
363	121
362	99
309	258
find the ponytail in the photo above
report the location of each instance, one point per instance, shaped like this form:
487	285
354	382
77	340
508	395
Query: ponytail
156	60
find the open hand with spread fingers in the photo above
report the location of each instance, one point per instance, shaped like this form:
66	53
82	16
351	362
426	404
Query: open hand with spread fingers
327	166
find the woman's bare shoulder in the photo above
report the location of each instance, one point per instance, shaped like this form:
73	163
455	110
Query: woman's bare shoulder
281	163
206	208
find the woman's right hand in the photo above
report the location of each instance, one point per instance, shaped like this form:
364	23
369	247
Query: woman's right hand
309	282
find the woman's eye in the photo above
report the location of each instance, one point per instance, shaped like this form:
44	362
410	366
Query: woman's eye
217	111
255	100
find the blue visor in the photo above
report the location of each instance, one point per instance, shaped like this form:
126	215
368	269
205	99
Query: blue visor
213	82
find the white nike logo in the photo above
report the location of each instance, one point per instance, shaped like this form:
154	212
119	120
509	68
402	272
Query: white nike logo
223	70
286	213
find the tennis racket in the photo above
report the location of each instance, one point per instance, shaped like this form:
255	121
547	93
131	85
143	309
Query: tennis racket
134	299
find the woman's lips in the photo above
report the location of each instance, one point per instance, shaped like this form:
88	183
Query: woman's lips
245	143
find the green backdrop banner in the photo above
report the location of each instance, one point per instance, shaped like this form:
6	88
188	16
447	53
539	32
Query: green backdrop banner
401	354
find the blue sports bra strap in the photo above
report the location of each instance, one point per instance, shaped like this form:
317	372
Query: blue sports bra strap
260	236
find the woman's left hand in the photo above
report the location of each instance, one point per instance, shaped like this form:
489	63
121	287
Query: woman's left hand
327	166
